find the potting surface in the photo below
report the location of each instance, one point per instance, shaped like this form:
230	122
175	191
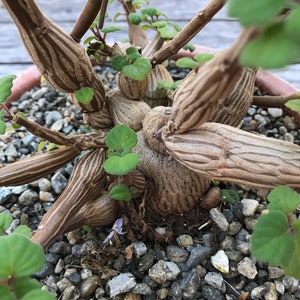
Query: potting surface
219	33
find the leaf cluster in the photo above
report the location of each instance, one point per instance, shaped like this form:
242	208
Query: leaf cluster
276	235
278	44
133	65
151	17
120	140
19	259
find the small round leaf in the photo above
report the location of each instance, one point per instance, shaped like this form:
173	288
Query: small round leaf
19	256
187	62
138	70
84	95
5	222
135	18
120	192
121	137
38	295
116	165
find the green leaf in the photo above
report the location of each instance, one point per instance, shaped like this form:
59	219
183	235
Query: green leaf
292	25
167	84
151	12
89	40
146	26
201	58
135	18
84	95
116	16
166	32
294	105
271	241
187	62
2	127
5	222
133	53
189	47
19	256
283	198
138	70
275	49
24	285
118	62
255	12
120	192
5	293
111	28
41	146
38	295
121	137
160	23
121	165
51	146
23	229
6	84
230	195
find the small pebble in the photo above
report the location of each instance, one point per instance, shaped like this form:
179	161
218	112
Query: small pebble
5	194
247	268
58	182
197	255
176	254
275	112
28	197
220	261
139	248
185	240
88	286
121	284
215	280
220	220
249	207
163	271
211	293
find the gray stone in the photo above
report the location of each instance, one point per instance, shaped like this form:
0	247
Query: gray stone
5	193
11	151
51	284
184	240
88	286
190	283
48	269
234	228
142	289
275	272
259	292
163	271
176	254
176	290
63	284
51	117
58	182
218	218
61	248
71	293
44	185
146	261
211	293
215	280
247	268
275	112
28	139
249	207
39	93
271	293
59	266
197	255
28	197
121	284
139	248
279	287
17	190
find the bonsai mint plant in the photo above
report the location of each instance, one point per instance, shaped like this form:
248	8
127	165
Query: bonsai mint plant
174	141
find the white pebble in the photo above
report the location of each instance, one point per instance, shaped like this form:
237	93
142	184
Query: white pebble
220	261
249	207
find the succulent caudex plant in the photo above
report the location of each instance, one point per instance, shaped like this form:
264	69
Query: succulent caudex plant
181	147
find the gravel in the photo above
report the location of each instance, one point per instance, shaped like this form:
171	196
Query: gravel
213	262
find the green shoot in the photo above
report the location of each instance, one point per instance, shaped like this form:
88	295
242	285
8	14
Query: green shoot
19	259
187	62
276	235
120	140
84	95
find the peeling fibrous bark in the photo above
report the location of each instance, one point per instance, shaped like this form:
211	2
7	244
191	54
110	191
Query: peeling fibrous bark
181	148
